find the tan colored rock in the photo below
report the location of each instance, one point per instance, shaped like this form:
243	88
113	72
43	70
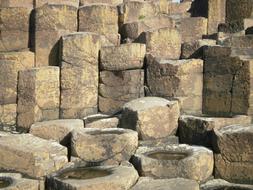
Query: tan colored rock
112	122
38	96
111	2
222	184
216	14
101	19
31	155
195	49
58	130
199	130
164	42
14	28
10	64
151	117
181	9
148	183
79	94
233	153
101	177
8	114
174	161
240	41
123	57
14	181
131	30
118	87
49	29
192	28
180	79
74	3
16	3
109	146
159	142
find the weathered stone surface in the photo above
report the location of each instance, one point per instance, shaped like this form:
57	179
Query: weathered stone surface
216	14
227	81
111	2
159	142
74	3
58	130
222	185
10	64
38	96
15	181
180	79
199	130
102	178
172	161
192	28
79	74
233	147
51	22
16	3
242	41
123	57
151	117
31	155
165	184
181	9
109	146
195	49
118	87
131	30
112	122
164	42
14	28
101	19
8	114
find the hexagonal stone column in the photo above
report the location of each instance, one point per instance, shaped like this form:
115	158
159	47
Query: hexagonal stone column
199	130
38	96
177	79
79	74
51	22
31	155
173	161
109	146
151	117
101	19
233	148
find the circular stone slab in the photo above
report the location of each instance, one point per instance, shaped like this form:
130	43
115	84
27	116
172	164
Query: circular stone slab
100	177
173	161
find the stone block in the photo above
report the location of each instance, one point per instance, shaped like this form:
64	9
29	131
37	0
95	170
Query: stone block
16	3
74	3
181	9
8	116
151	117
112	122
38	96
222	184
111	2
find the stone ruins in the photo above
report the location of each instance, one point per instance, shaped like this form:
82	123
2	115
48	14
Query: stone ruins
126	95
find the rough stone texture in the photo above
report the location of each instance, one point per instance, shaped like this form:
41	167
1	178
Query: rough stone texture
195	49
199	130
123	57
38	96
111	2
16	3
242	41
233	147
112	122
192	28
79	74
165	184
227	81
10	64
8	114
118	87
58	130
31	155
222	184
109	146
181	9
164	42
216	15
14	28
17	182
119	178
101	19
192	163
51	22
131	30
159	142
177	79
151	117
74	3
